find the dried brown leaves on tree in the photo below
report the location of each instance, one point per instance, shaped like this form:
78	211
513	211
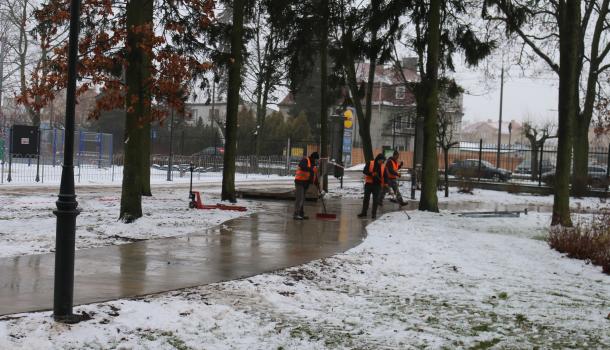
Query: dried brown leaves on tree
176	43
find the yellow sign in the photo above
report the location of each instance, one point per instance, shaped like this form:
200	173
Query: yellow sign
348	114
347	124
296	152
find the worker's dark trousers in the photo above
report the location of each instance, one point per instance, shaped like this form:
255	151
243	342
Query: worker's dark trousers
300	190
393	184
371	189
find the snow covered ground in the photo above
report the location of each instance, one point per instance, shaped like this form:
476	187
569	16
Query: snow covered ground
488	198
23	175
27	223
423	280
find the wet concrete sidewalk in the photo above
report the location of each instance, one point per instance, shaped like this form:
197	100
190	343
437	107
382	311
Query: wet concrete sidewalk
242	247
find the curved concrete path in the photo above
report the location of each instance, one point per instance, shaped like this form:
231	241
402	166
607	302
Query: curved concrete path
242	247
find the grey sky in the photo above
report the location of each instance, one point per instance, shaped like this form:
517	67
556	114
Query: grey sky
533	98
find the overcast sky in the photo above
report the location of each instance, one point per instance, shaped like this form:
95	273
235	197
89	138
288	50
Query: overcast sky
526	97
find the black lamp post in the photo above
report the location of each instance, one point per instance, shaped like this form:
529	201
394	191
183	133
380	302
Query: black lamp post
63	293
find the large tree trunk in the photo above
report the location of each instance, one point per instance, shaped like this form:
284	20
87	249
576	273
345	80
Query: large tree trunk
370	84
364	125
569	22
139	13
145	162
428	200
583	120
324	93
228	171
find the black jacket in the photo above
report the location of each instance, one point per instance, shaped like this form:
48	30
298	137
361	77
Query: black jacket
376	170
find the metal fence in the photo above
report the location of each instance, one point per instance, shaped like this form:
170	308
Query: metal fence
47	169
525	165
95	162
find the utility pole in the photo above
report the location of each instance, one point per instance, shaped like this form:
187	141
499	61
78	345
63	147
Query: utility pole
500	121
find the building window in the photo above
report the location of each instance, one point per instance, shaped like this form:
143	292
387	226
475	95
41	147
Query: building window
400	92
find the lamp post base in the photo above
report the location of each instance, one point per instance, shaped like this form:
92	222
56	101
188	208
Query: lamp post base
72	318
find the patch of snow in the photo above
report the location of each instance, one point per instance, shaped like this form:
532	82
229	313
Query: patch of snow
27	223
357	167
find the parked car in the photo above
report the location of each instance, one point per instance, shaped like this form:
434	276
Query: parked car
597	177
210	151
470	167
525	167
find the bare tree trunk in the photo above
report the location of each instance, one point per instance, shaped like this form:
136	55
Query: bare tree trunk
569	22
139	13
228	171
428	200
145	162
324	92
583	119
364	125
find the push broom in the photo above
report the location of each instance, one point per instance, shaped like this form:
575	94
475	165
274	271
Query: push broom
325	215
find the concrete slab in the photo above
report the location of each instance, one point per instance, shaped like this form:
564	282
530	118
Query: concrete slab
275	192
243	247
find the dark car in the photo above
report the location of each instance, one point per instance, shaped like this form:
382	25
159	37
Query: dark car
211	151
597	177
525	167
470	168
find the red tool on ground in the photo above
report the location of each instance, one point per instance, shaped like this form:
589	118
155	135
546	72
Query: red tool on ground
325	215
195	201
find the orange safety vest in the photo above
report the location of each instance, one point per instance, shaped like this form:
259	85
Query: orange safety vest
369	178
303	175
394	167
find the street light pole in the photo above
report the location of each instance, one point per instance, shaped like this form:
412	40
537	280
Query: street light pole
63	292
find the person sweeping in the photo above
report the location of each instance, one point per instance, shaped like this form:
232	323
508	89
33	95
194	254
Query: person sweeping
373	184
306	174
391	179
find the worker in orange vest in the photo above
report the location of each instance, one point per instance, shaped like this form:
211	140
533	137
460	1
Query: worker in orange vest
391	179
373	183
306	174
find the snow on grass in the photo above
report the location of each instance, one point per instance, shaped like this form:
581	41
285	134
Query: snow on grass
93	176
435	280
27	223
490	198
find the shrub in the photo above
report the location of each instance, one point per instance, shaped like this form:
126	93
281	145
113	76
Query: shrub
465	177
514	188
465	186
588	240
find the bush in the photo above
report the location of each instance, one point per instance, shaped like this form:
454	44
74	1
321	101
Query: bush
465	177
465	186
514	188
587	240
